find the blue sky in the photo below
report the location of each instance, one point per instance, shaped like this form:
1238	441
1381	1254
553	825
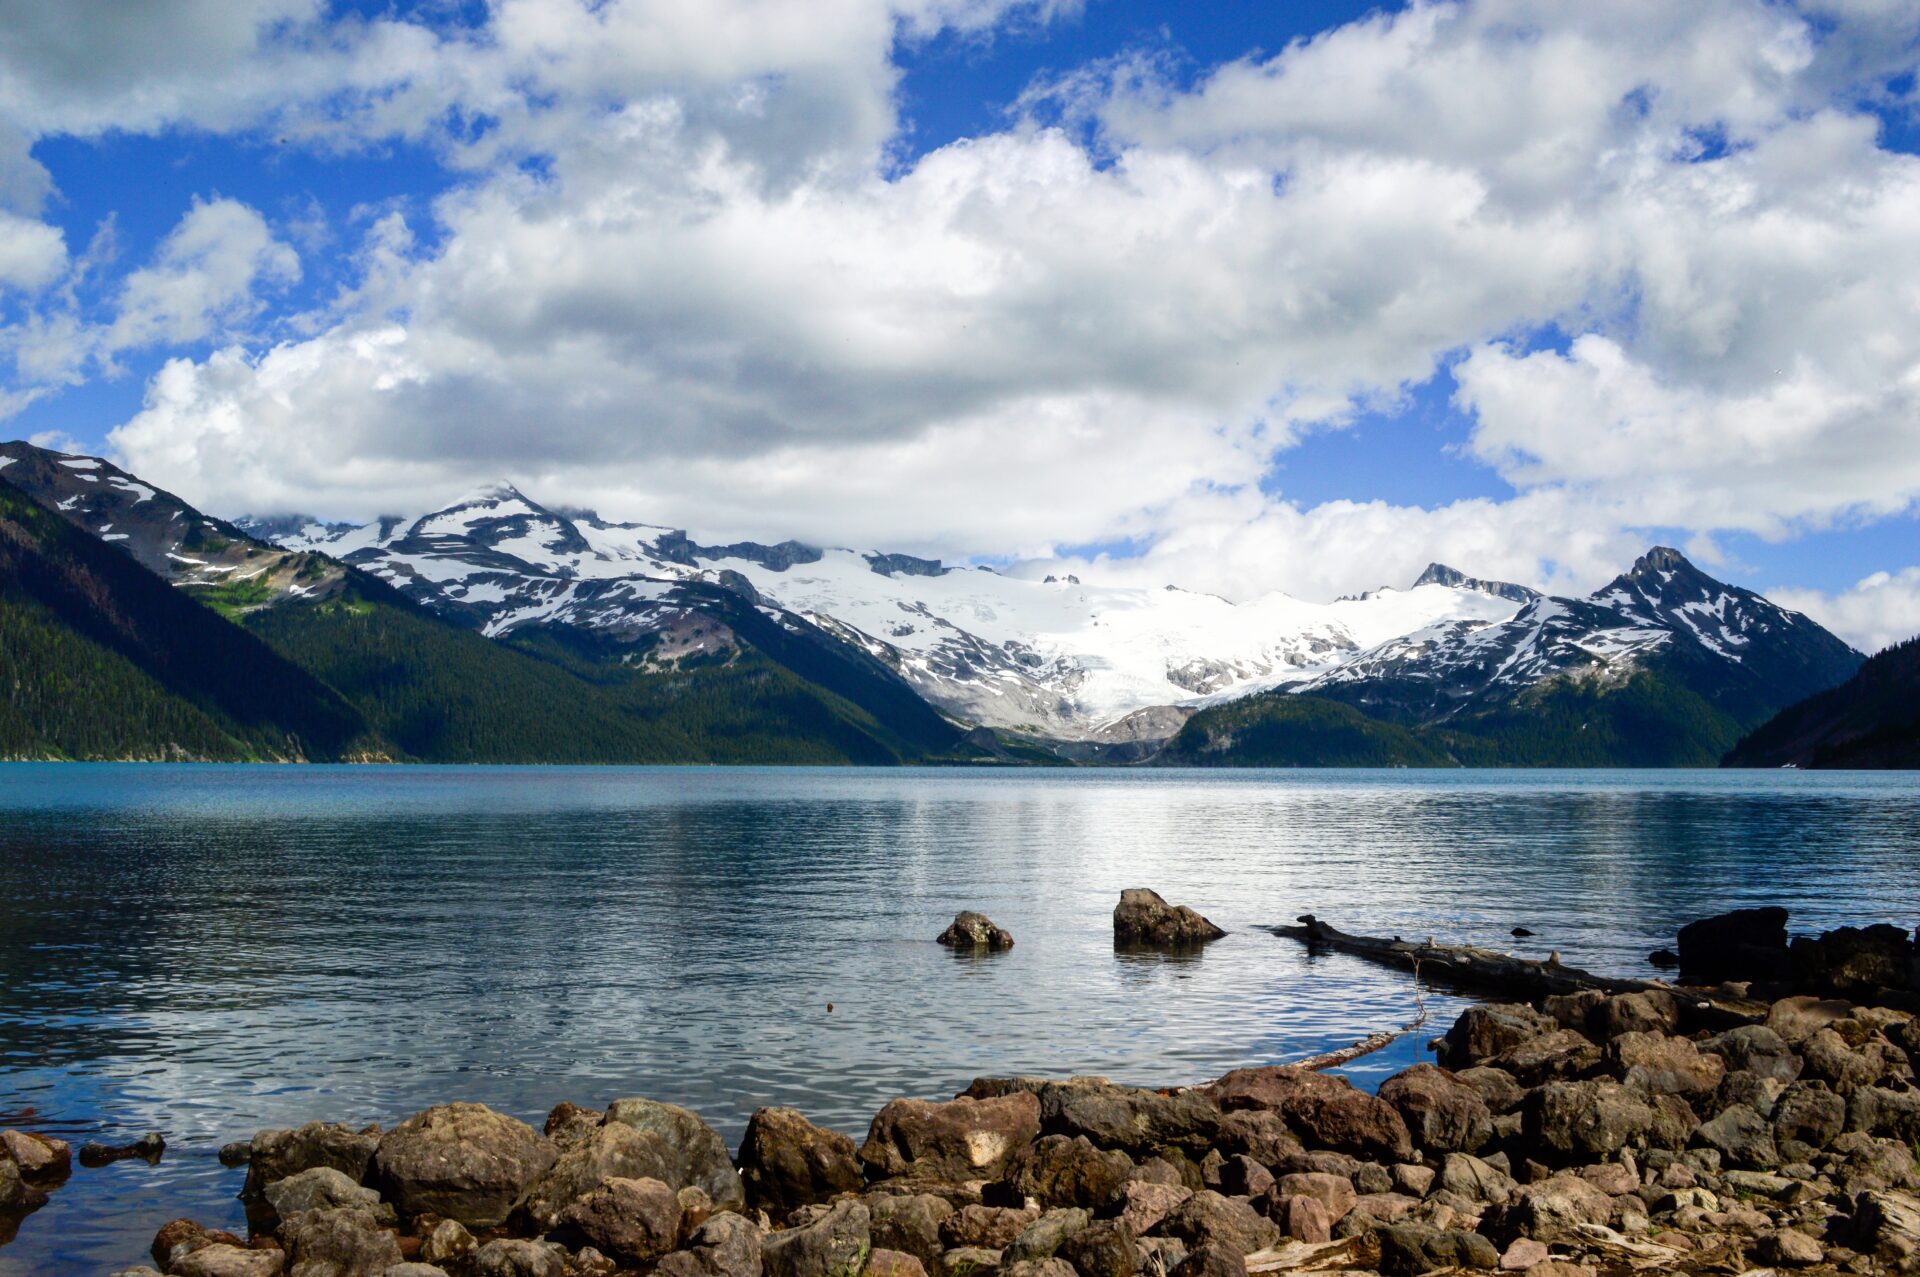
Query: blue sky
987	278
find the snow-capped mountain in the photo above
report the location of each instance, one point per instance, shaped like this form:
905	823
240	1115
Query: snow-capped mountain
1664	610
1056	657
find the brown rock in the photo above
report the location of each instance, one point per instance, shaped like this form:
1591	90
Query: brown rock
1057	1171
1655	1064
40	1158
181	1237
509	1257
1304	1219
1443	1113
960	1139
1208	1217
633	1220
1261	1134
222	1260
988	1227
1325	1112
909	1223
1212	1260
787	1161
728	1245
897	1263
460	1161
1104	1248
1561	1053
1590	1119
277	1154
1144	1205
567	1124
1332	1191
1143	918
1523	1254
347	1242
1482	1032
1799	1018
835	1245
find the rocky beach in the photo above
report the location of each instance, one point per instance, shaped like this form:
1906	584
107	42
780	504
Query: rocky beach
1686	1129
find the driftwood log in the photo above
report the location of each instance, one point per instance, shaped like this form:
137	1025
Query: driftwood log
1473	969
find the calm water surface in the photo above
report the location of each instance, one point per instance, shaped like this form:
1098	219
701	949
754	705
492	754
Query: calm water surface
206	951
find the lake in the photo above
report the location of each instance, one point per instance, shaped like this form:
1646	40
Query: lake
206	951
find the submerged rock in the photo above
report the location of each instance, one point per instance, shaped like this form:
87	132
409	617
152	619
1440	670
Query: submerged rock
971	930
1143	918
148	1148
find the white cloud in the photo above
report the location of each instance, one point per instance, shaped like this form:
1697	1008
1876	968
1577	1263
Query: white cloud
204	277
1880	610
719	301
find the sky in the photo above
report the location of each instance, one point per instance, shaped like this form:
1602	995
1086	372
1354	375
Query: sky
1242	296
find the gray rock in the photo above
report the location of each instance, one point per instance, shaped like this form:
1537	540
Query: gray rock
1755	1049
322	1188
277	1154
988	1227
1104	1248
510	1257
613	1151
834	1246
230	1261
344	1242
1473	1179
1586	1120
728	1245
1409	1248
1207	1217
1741	1136
460	1161
1143	918
694	1154
1045	1236
975	931
958	1140
910	1223
1444	1113
1057	1171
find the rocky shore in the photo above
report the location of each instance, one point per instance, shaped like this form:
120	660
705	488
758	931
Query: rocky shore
1583	1134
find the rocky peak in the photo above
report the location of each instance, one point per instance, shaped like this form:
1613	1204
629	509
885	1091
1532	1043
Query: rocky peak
1453	578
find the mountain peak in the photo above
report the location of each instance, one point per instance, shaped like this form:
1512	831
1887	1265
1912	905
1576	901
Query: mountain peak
1453	578
1661	558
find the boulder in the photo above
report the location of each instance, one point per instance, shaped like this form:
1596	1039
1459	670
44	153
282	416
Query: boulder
1796	1019
693	1154
460	1161
1886	1225
1473	1179
633	1220
970	1261
1745	944
222	1260
1655	1064
961	1139
1212	1260
1324	1112
1482	1032
894	1263
975	931
1584	1121
787	1161
1788	1248
1104	1248
1557	1053
1415	1181
510	1257
1442	1113
1830	1058
835	1245
1741	1136
276	1154
448	1242
1045	1236
909	1222
1761	1094
1143	918
344	1242
1650	1011
567	1124
1241	1176
1500	1089
180	1238
1550	1211
322	1188
1855	962
988	1227
1755	1048
39	1158
1886	1113
1207	1217
614	1151
728	1245
1143	1205
1408	1249
1332	1191
1059	1171
1304	1219
1130	1118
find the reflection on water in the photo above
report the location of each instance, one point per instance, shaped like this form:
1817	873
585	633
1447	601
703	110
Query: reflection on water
205	951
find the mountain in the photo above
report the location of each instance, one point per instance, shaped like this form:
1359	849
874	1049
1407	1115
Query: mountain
723	680
103	659
1663	666
1279	730
1870	721
1053	659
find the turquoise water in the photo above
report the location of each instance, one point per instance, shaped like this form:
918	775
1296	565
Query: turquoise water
205	951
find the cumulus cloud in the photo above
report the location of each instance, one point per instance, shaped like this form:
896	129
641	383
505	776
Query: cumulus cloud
1878	611
1674	269
205	276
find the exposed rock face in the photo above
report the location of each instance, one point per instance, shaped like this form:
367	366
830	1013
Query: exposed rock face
971	930
1324	1112
787	1161
692	1153
633	1220
460	1161
1143	918
960	1139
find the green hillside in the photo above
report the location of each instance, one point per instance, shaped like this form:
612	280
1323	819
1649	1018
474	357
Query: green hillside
1870	721
100	659
1282	730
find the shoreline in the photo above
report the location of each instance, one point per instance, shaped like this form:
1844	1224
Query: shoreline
1588	1131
